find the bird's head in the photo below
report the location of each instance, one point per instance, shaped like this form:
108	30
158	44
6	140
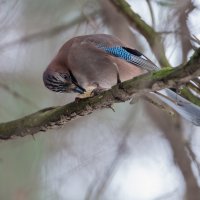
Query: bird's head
59	80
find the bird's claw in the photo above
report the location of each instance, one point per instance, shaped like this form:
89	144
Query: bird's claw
86	94
97	91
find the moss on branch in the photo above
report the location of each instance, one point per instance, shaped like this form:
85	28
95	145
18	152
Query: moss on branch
53	117
153	38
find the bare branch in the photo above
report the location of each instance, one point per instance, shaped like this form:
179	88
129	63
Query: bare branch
151	12
17	95
185	8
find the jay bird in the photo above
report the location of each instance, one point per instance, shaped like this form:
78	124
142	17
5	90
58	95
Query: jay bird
97	62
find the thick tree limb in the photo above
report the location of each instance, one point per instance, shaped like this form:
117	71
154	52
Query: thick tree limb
52	117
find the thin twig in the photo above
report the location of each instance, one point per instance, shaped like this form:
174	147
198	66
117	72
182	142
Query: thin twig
17	95
151	12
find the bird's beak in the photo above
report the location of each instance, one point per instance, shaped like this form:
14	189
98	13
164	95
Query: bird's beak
76	88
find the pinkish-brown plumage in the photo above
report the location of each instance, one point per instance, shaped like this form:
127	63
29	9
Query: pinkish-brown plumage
100	61
90	65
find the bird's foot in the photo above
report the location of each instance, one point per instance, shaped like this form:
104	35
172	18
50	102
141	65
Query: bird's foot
91	91
98	90
86	94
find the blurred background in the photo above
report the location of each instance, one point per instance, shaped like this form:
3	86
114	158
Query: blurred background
137	152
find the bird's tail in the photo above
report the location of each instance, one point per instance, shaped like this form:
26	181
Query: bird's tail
185	108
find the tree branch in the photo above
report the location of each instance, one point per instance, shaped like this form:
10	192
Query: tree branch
53	117
152	37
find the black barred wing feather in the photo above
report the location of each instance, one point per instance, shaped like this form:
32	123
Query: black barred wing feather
130	55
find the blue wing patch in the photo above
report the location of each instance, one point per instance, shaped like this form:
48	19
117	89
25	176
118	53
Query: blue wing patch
130	55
